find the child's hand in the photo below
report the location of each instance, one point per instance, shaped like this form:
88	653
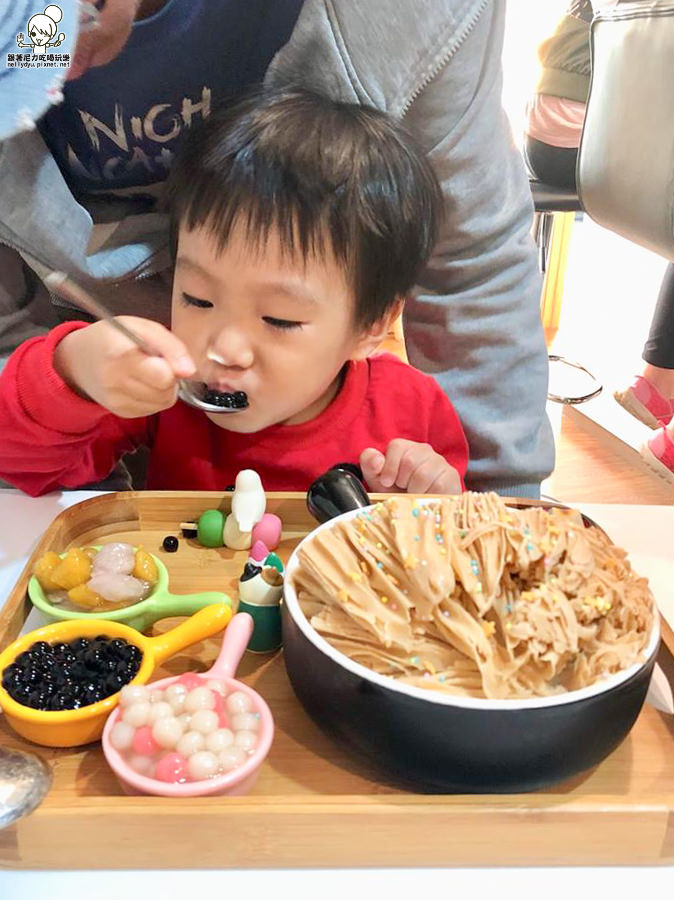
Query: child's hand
409	466
101	364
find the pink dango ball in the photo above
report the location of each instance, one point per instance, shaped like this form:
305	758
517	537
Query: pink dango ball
172	768
268	530
143	743
190	680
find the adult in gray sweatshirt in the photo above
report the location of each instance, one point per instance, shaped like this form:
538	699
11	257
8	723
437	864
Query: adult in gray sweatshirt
473	321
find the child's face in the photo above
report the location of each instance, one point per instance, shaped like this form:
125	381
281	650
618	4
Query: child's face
283	328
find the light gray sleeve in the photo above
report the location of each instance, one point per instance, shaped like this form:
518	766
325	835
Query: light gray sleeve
475	322
25	307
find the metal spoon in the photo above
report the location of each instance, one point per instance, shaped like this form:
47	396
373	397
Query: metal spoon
192	392
24	781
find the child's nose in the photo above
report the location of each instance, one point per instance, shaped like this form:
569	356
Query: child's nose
231	348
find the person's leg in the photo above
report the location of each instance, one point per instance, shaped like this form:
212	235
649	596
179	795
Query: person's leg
551	165
649	397
659	348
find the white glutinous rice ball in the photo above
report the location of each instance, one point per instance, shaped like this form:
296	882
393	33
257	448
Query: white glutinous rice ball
142	764
116	557
218	686
160	710
132	693
204	720
231	758
121	735
238	702
245	722
203	764
175	690
167	732
246	740
219	740
117	588
177	703
199	698
156	696
137	714
191	742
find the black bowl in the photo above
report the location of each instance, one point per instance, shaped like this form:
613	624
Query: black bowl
427	741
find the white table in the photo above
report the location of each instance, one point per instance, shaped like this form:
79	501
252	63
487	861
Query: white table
646	531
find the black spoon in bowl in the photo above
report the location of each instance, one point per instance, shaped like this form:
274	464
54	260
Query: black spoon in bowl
195	393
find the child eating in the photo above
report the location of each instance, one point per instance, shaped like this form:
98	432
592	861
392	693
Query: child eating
299	226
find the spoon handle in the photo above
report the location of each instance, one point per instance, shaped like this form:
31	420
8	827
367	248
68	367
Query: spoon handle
59	283
233	646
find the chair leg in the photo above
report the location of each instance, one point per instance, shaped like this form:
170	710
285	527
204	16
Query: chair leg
556	251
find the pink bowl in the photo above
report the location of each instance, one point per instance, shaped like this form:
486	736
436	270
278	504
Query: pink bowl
238	781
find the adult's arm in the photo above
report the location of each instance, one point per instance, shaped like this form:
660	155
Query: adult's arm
475	320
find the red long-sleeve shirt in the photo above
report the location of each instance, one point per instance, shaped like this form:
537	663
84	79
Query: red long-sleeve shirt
52	438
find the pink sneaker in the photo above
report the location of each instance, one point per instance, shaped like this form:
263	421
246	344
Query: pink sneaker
658	452
646	403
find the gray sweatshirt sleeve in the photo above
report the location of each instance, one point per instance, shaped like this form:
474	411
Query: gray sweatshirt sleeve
475	320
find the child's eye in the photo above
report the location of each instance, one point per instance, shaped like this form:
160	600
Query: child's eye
282	324
188	300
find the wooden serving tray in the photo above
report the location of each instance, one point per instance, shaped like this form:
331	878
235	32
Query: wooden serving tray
313	805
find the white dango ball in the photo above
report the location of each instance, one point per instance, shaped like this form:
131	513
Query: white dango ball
144	765
177	702
219	740
190	743
238	702
175	690
203	764
218	686
185	719
245	722
167	732
121	735
204	720
231	758
160	710
132	693
246	740
156	696
199	698
137	714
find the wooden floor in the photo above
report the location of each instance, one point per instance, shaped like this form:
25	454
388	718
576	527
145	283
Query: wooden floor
595	467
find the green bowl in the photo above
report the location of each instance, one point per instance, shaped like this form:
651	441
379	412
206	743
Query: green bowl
160	604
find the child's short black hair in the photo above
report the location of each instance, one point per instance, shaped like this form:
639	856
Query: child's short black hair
319	171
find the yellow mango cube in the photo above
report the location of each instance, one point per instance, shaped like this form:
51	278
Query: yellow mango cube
44	569
73	569
145	567
83	596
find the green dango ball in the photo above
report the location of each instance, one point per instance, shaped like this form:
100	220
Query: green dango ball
210	527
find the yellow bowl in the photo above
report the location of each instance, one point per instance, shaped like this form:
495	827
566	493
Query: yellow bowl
72	727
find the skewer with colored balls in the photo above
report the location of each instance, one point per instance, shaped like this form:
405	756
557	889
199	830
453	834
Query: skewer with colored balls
245	525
